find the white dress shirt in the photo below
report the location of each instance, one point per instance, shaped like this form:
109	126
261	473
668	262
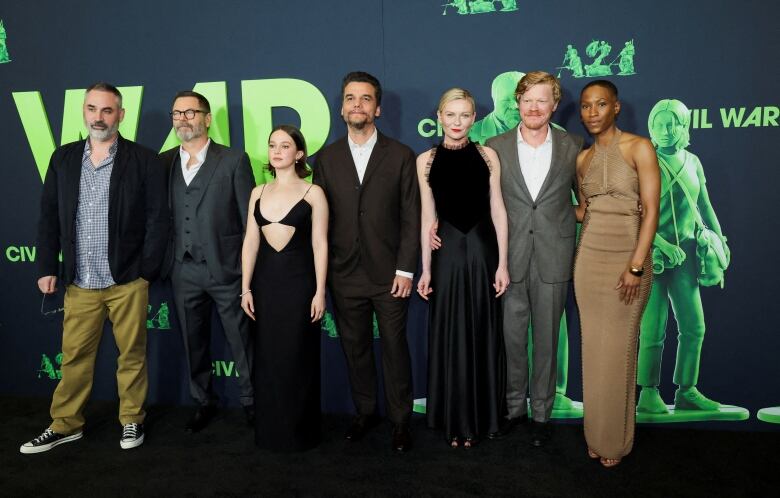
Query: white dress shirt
189	173
361	153
534	161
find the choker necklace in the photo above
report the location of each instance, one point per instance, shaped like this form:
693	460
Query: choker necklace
455	146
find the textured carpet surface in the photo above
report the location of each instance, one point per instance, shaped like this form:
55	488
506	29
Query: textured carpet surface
222	461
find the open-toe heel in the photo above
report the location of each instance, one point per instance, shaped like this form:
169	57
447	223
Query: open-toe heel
454	443
609	462
469	443
592	454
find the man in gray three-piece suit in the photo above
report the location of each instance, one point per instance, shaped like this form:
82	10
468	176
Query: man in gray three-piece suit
209	188
539	172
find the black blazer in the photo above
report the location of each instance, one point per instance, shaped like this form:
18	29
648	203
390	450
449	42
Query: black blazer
137	213
221	210
376	223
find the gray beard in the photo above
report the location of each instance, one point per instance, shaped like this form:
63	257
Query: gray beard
102	135
186	134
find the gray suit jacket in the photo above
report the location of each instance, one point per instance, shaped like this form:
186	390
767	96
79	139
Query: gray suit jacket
221	210
542	231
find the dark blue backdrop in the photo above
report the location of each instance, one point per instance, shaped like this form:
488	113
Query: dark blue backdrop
710	55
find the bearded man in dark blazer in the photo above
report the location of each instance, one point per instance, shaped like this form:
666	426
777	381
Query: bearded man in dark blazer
209	188
371	185
103	205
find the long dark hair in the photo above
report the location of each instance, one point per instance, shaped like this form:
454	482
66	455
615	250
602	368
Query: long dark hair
301	168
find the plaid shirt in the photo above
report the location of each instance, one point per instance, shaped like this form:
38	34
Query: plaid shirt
92	268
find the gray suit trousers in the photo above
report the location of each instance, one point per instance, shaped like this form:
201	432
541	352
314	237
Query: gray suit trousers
195	292
542	304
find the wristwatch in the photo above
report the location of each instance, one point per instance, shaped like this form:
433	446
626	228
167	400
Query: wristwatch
636	271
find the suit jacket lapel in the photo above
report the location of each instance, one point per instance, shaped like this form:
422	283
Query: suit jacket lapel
514	161
348	163
172	165
377	156
556	160
208	168
120	165
73	182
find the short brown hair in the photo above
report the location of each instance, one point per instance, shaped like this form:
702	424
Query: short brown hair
538	78
363	77
102	86
202	101
301	168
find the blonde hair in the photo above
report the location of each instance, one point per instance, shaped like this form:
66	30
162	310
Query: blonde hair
456	94
538	78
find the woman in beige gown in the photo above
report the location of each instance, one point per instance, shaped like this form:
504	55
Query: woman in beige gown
619	186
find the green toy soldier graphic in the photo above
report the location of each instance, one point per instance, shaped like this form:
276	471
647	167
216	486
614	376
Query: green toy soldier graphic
598	50
461	5
163	321
769	415
504	115
480	6
328	325
685	205
626	62
572	62
47	367
160	320
4	57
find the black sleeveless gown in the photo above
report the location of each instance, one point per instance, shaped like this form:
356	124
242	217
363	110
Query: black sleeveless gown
466	362
287	344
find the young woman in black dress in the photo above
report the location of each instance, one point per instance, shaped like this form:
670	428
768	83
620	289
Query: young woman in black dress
284	262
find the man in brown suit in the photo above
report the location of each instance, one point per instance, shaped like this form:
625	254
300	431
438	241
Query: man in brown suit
371	186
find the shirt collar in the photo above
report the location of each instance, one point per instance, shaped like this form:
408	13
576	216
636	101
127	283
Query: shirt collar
547	140
369	143
200	156
111	150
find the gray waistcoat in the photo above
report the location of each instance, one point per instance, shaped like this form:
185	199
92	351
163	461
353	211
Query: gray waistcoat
184	211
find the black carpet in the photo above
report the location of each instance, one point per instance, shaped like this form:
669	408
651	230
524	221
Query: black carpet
222	461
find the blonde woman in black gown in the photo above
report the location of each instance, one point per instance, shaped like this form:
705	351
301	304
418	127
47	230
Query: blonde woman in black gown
460	185
284	262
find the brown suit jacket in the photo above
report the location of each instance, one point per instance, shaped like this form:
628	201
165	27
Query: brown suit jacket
375	224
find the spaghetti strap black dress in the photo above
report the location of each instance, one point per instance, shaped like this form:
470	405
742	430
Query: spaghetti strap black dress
287	344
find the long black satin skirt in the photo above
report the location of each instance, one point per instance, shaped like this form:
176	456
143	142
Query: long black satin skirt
287	350
466	361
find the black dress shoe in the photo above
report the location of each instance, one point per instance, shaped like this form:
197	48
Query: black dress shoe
200	418
402	438
249	412
540	433
508	425
359	426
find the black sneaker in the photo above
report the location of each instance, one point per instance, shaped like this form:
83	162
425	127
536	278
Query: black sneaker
48	440
132	436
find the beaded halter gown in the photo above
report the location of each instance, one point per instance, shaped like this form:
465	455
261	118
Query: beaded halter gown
609	327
